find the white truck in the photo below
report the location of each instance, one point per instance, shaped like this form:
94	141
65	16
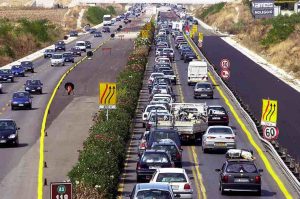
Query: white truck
197	72
177	26
107	20
189	119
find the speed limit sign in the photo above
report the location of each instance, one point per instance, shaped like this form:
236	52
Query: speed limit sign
225	64
270	133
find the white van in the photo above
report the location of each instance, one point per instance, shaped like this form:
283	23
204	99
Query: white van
107	20
197	72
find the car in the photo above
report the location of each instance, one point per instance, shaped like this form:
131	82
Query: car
189	56
203	90
177	178
106	29
218	138
76	51
158	51
170	74
239	175
150	161
162	60
151	79
162	89
158	118
6	75
97	34
125	21
92	30
57	60
48	53
152	191
169	52
1	91
171	147
217	115
158	134
88	44
18	70
69	57
150	108
183	51
81	45
60	45
34	86
21	100
73	33
118	19
143	143
28	65
9	132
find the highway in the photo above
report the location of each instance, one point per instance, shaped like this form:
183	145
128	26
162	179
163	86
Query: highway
201	167
19	166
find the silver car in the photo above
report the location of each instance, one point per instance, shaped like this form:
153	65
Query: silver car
152	190
57	60
218	137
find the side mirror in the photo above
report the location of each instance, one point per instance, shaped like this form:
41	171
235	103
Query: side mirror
217	170
260	170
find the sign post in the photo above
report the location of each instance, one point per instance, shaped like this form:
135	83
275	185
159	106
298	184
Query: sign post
107	96
61	190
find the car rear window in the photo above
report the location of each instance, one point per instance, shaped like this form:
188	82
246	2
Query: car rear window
171	177
206	86
241	168
153	194
158	135
220	130
155	158
169	148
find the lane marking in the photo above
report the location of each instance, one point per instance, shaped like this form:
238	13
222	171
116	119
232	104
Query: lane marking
43	127
198	189
249	136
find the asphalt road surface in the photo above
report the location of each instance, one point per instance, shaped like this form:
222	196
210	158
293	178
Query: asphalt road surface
18	166
199	166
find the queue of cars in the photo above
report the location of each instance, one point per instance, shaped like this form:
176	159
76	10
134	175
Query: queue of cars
169	124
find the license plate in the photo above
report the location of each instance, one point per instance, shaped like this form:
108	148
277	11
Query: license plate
33	90
153	167
204	95
175	187
2	141
21	104
216	118
220	144
241	180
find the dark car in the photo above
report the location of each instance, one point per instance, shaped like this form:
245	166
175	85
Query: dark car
106	29
18	70
195	22
92	30
239	175
22	100
217	115
118	19
60	45
150	161
98	34
48	53
76	51
28	65
184	51
189	56
155	135
73	33
203	90
69	57
126	21
169	146
152	191
88	44
9	132
34	86
6	75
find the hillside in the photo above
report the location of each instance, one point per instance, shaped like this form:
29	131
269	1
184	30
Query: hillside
277	40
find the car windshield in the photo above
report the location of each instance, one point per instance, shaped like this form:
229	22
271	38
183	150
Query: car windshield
20	95
155	158
168	72
5	71
7	125
57	56
80	44
206	86
241	168
150	108
165	99
216	110
220	130
67	54
88	42
26	63
33	82
16	67
171	177
49	50
168	51
169	148
153	194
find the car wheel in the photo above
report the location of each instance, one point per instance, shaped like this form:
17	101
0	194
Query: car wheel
222	190
185	61
189	83
12	80
258	193
32	70
41	91
204	150
144	125
16	144
175	82
12	108
30	107
138	179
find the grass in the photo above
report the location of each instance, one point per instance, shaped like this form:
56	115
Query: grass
212	10
94	15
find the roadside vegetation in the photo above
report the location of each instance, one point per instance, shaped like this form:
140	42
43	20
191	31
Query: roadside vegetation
22	37
100	164
276	39
94	15
212	10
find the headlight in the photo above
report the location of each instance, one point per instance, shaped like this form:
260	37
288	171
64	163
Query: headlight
15	102
27	102
12	136
27	88
38	87
10	76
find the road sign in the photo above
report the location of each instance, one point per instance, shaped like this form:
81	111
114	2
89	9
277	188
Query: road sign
145	33
225	64
200	36
270	133
61	190
225	73
108	95
269	112
195	28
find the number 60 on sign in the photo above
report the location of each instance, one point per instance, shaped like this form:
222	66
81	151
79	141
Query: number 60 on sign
270	133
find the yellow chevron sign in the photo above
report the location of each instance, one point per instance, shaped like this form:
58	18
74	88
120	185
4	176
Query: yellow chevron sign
107	95
269	112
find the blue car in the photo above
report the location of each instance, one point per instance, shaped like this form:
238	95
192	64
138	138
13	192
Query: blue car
28	65
18	70
69	57
21	100
6	75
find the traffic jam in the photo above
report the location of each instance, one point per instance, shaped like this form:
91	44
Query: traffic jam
170	124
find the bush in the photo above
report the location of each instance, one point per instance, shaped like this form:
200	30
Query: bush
282	27
38	28
95	14
96	175
212	10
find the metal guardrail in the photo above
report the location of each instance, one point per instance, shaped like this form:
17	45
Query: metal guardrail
272	151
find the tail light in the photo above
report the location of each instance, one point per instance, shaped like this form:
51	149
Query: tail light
178	156
138	166
143	145
211	137
150	81
257	179
148	126
225	179
187	186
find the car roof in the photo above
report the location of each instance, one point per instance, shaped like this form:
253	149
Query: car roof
171	170
156	185
219	126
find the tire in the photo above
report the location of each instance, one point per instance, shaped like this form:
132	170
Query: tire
258	193
204	150
144	125
30	107
189	83
32	70
138	179
12	108
16	144
41	92
222	190
12	80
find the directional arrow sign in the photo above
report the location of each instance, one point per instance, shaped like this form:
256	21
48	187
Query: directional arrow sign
107	95
269	112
